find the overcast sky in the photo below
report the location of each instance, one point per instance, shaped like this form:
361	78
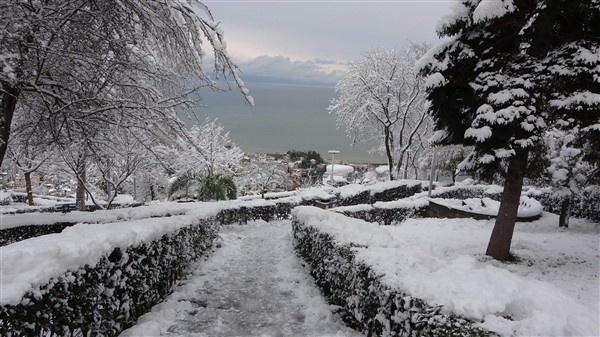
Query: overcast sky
310	41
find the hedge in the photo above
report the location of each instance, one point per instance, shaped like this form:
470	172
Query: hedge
108	297
386	213
367	303
583	205
14	234
373	194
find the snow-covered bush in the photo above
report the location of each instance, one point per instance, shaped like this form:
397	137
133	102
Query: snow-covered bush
583	205
14	234
385	191
102	298
462	192
386	213
85	288
367	303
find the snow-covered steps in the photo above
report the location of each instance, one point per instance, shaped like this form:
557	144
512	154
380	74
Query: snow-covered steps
253	285
425	273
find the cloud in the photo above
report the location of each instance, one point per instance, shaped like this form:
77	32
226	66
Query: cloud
282	69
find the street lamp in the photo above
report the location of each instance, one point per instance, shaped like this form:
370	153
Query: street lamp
333	153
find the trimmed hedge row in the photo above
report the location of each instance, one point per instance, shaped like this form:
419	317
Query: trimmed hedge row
104	299
390	194
14	234
384	215
583	205
367	304
478	191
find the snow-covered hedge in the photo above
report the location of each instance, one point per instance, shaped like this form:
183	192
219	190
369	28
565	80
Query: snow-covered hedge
367	303
583	205
385	191
386	213
14	228
462	192
14	234
97	279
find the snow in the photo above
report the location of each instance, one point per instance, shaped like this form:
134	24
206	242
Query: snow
265	290
458	12
553	290
480	134
270	195
491	9
104	216
351	190
339	169
527	208
354	208
386	185
36	260
402	203
577	100
383	169
435	80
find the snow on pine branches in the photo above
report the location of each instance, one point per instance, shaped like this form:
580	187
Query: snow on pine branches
511	71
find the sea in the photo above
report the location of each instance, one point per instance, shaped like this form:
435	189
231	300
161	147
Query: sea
285	117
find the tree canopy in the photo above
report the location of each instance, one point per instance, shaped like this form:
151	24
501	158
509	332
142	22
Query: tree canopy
509	71
84	64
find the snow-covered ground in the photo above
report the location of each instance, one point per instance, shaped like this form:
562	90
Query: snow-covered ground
253	285
553	290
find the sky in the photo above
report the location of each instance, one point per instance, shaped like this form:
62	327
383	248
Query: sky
311	41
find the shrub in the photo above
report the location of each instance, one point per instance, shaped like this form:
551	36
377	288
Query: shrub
367	303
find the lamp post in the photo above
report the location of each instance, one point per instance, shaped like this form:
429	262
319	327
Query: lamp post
333	153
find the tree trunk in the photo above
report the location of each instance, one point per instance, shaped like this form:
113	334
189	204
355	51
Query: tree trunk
80	192
565	212
405	174
28	188
388	152
152	193
9	102
499	245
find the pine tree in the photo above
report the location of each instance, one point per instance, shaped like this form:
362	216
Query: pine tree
510	70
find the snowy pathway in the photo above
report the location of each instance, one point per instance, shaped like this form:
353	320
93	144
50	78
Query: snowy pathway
254	285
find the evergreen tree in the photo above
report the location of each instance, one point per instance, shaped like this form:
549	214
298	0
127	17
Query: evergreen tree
510	70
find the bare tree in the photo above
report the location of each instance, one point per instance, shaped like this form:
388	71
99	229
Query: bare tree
382	99
27	152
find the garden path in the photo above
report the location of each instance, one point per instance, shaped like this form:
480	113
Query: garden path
253	285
